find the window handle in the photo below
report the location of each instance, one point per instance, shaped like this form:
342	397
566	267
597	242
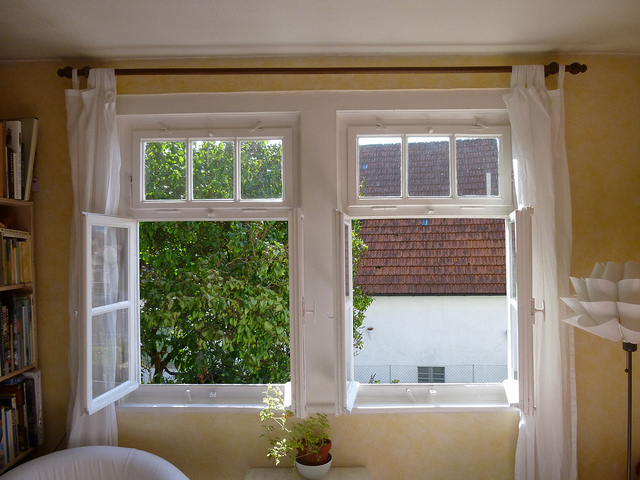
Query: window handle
535	309
306	312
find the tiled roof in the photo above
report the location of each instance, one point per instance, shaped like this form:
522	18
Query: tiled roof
446	256
428	169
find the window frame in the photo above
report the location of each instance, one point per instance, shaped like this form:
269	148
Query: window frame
254	126
360	398
139	204
130	305
491	126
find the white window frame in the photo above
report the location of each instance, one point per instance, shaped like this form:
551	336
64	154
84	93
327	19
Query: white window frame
319	181
453	124
129	306
139	204
367	398
213	397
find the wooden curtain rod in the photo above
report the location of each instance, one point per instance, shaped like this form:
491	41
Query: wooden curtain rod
550	69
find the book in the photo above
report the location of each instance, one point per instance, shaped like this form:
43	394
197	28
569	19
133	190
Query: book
3	440
17	158
33	390
5	433
16	390
14	158
29	142
3	156
5	339
10	404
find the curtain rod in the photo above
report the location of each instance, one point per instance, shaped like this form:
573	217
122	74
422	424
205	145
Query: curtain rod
550	69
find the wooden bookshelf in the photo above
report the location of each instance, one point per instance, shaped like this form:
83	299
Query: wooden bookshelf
18	338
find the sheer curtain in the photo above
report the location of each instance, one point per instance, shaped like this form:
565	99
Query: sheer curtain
546	447
95	170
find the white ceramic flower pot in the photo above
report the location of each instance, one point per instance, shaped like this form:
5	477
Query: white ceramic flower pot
314	472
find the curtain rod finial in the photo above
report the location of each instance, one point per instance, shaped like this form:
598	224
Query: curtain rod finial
576	68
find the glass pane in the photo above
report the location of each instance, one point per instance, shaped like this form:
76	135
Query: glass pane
109	265
379	166
261	169
109	351
429	167
213	169
477	167
165	171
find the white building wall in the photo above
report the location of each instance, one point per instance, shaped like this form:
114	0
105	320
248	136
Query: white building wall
465	334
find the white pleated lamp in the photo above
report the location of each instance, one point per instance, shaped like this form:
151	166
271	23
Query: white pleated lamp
607	304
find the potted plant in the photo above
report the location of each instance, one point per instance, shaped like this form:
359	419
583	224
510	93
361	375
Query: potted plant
305	442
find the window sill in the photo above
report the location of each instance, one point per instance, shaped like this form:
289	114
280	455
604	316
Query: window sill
418	397
222	398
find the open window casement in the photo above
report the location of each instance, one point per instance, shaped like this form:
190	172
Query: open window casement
111	345
520	385
347	387
298	312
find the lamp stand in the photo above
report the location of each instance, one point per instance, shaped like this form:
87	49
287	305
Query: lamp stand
629	348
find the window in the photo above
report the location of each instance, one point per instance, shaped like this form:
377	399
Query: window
318	174
433	210
111	346
221	168
215	241
431	375
212	169
452	165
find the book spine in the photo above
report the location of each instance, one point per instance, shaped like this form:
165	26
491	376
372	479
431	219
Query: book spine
6	339
36	401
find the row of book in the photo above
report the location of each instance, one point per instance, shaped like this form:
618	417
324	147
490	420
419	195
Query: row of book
17	334
15	251
20	416
18	141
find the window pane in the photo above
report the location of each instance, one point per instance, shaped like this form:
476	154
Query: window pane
261	169
165	172
109	269
477	167
439	300
214	302
213	169
109	351
379	166
429	167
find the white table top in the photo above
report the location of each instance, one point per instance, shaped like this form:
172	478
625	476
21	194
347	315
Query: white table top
285	473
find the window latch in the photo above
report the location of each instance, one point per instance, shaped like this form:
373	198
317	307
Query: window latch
306	312
535	309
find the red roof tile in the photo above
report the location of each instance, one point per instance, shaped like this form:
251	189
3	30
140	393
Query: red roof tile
444	257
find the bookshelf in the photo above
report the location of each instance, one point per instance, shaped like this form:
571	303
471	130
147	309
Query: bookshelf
20	386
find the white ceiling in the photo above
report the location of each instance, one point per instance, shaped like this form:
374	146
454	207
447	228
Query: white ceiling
109	29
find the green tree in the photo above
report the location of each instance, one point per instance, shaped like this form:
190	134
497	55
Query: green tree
215	301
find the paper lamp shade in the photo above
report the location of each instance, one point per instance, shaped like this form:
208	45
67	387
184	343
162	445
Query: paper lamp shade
607	303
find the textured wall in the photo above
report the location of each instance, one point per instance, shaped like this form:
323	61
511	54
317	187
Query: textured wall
603	144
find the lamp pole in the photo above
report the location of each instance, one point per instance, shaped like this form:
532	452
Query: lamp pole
629	348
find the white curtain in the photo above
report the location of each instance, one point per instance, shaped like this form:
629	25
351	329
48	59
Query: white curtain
95	171
546	447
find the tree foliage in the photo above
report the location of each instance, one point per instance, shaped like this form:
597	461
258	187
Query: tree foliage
215	301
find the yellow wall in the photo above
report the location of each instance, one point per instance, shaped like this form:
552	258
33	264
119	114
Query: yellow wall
603	143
